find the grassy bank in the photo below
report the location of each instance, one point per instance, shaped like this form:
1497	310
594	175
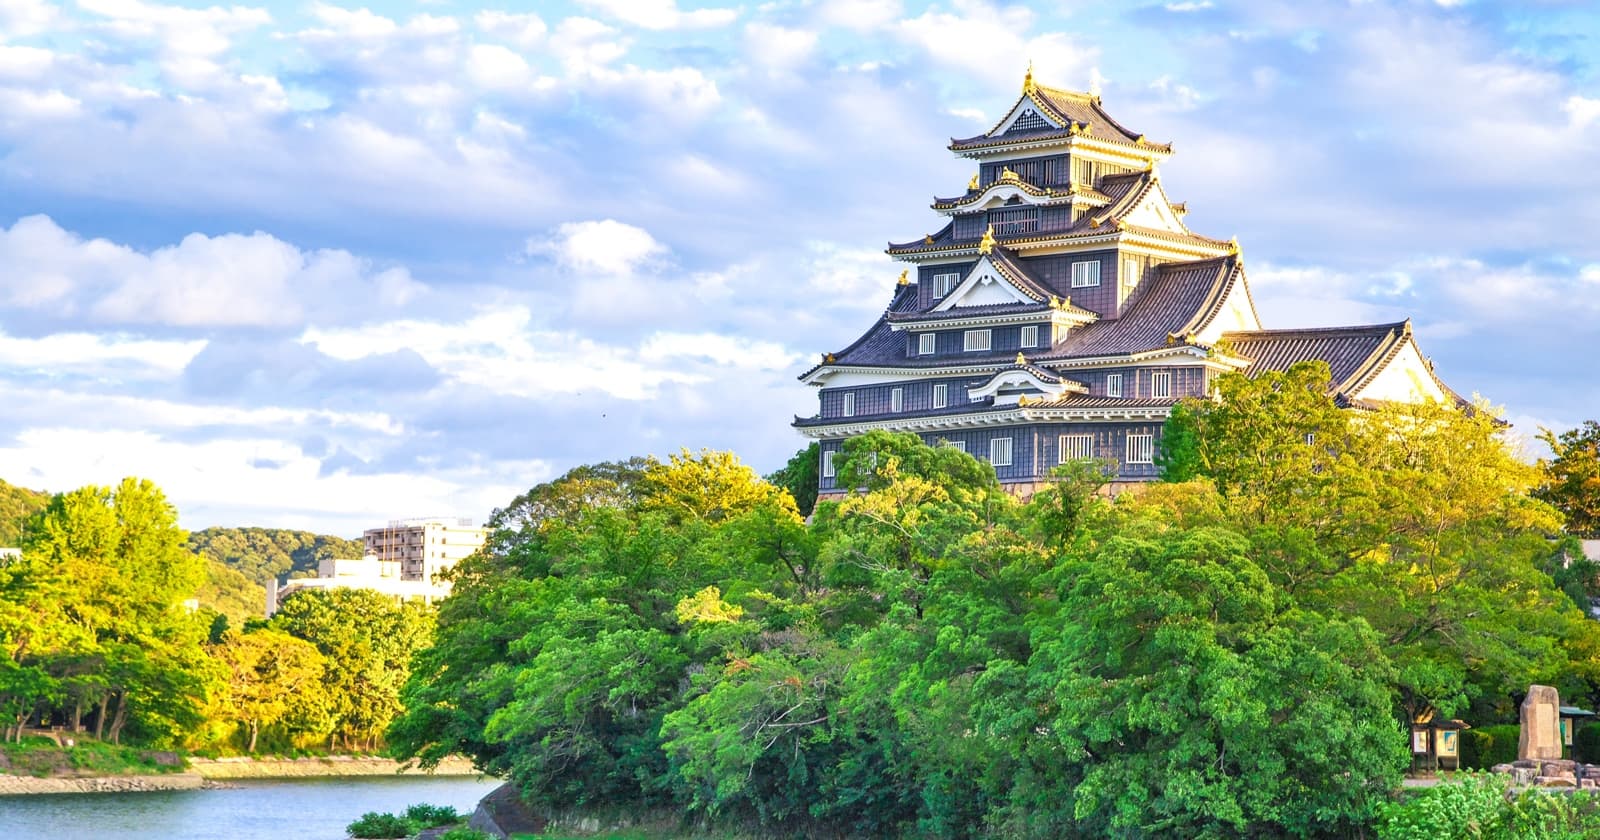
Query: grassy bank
41	757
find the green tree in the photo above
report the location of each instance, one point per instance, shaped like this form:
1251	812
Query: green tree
262	554
1199	703
800	476
271	676
1571	478
367	642
105	576
16	505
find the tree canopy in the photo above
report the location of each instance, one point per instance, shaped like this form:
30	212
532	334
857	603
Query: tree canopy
1233	652
262	554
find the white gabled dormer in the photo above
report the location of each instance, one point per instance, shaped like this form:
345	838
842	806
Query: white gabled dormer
1010	386
984	285
987	284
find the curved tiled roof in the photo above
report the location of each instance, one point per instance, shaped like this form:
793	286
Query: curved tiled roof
1080	113
1179	300
1354	354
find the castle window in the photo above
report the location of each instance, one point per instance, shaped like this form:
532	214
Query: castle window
1113	384
975	340
944	284
849	407
1000	452
1030	337
827	464
954	444
1161	385
1076	447
1131	274
1085	274
1141	449
926	343
941	395
896	399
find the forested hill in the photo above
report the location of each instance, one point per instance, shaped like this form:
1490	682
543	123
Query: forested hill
16	505
261	554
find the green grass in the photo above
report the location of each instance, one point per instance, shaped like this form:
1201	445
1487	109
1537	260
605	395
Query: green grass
39	756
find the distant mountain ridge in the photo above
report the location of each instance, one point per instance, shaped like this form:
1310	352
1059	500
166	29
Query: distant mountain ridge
262	554
16	505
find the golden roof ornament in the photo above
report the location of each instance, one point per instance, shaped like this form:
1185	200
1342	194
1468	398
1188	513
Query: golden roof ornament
927	239
1008	174
1055	302
1233	245
1028	87
973	184
986	244
828	357
1020	360
903	281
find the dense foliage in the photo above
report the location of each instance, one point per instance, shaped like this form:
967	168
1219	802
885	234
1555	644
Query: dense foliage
1572	476
112	629
1479	807
1234	654
262	554
16	505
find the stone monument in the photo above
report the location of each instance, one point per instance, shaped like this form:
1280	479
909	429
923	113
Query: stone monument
1541	725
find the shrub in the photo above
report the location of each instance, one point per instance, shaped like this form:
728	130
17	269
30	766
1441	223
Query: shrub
1490	745
380	826
427	816
464	833
1586	743
1472	806
1476	806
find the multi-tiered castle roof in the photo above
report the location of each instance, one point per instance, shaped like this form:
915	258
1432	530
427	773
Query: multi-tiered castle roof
1064	307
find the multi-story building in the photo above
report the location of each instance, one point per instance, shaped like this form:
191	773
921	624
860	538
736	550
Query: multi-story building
403	561
1065	307
424	547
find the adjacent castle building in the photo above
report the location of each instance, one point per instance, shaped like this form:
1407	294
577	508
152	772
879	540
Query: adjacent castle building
1065	307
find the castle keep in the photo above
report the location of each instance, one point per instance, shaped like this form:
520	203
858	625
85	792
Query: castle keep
1065	307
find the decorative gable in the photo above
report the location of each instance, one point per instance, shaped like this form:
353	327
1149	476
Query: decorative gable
1405	377
1154	211
1026	115
984	285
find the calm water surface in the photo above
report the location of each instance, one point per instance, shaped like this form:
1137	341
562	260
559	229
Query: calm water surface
303	809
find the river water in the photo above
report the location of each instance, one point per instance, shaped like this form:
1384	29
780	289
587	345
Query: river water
258	809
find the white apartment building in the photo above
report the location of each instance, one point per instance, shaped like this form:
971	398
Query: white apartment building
403	561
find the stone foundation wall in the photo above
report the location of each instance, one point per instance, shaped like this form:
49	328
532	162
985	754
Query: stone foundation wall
21	785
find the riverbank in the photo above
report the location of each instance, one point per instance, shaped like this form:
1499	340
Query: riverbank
102	768
311	767
30	785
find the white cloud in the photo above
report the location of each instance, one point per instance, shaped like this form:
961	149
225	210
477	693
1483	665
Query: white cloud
21	18
248	479
495	67
111	356
1581	110
607	246
524	30
500	350
724	350
226	280
24	62
777	47
860	15
188	41
662	14
990	43
1188	6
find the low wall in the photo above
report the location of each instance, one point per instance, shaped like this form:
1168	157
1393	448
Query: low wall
15	785
335	765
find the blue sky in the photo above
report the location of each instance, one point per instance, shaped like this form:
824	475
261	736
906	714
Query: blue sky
320	265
